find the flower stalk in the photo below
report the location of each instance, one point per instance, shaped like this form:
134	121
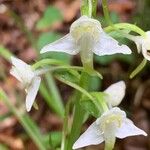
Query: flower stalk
77	121
127	26
106	12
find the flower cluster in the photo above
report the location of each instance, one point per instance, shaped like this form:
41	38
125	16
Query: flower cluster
86	37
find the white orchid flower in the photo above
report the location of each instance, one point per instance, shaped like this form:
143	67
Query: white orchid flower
87	37
115	93
29	78
143	44
111	124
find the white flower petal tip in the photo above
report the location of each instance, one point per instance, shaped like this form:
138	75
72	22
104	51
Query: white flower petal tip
92	136
116	93
129	129
109	46
65	44
32	92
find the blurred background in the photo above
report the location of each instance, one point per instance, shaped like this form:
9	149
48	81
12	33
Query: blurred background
25	27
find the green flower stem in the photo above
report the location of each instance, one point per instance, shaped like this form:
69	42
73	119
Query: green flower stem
90	8
67	67
109	146
25	121
94	7
127	26
86	8
45	62
79	113
65	125
138	69
106	12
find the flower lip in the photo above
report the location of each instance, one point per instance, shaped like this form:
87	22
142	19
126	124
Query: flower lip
85	25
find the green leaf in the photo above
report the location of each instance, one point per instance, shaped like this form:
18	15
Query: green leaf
70	75
53	139
90	107
95	83
5	116
51	15
4	52
94	107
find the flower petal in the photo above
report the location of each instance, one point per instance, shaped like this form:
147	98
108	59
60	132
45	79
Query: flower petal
32	92
129	129
115	92
92	136
65	44
138	41
22	71
145	53
108	46
21	65
13	72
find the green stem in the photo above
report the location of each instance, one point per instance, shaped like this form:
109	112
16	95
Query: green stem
109	145
67	67
78	114
45	62
90	8
106	12
138	69
4	52
94	7
65	126
25	122
127	26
